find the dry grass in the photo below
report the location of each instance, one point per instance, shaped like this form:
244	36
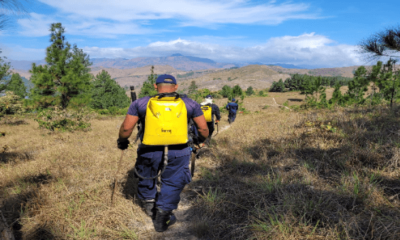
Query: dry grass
274	174
285	175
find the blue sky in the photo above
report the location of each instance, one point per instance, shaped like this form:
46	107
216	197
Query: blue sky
301	32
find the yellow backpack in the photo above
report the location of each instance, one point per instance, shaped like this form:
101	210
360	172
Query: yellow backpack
166	121
207	111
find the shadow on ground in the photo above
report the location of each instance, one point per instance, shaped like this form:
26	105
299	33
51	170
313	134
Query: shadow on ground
24	199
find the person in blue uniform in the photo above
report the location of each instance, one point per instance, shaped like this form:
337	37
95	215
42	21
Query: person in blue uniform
232	107
160	205
215	111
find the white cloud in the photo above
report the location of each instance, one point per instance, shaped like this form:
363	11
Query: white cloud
306	49
38	25
190	12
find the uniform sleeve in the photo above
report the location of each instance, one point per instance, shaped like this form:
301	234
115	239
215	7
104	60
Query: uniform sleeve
134	108
227	106
196	109
216	112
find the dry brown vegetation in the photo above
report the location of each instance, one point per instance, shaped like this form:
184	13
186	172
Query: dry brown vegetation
274	174
257	76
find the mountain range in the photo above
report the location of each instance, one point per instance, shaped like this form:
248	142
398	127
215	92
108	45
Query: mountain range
177	61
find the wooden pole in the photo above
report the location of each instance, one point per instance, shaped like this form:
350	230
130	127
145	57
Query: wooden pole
115	178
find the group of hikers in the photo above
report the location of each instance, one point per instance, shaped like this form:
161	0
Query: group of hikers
166	146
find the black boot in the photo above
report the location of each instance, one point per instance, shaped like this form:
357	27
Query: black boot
148	207
163	220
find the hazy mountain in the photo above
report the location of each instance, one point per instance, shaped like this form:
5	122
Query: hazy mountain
177	61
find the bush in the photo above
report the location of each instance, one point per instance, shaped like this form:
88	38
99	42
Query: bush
249	91
64	120
10	104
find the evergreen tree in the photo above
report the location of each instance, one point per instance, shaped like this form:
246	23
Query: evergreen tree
192	88
337	96
358	86
237	91
250	91
16	85
226	91
387	79
385	43
65	76
148	85
4	72
277	86
107	93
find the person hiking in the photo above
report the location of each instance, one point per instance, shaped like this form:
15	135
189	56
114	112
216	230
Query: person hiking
210	109
232	107
164	120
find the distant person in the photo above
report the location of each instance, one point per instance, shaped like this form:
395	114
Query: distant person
210	109
164	134
232	107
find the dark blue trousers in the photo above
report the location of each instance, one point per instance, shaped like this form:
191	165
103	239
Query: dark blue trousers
211	128
232	116
173	180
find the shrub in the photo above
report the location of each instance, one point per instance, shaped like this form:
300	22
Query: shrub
64	120
10	104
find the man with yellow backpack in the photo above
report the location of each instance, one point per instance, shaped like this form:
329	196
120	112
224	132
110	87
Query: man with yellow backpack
164	147
210	109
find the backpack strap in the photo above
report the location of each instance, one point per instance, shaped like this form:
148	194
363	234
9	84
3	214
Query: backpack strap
173	94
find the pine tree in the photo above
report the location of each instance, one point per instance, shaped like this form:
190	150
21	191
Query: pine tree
337	96
66	74
358	86
226	91
4	72
237	91
107	93
148	85
16	85
250	91
387	79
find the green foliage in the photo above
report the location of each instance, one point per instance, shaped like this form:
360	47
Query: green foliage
10	104
337	97
303	82
226	91
148	85
188	74
358	86
277	86
64	120
237	91
16	85
192	88
106	93
4	72
250	91
66	75
387	79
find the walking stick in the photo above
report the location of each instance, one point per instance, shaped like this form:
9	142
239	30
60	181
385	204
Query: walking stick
217	129
115	178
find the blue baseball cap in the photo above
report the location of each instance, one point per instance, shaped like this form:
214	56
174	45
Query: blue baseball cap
165	78
233	99
209	96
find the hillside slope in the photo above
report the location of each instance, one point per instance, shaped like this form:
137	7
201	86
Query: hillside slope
257	76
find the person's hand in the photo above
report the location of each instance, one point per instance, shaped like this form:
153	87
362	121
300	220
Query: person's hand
216	121
123	143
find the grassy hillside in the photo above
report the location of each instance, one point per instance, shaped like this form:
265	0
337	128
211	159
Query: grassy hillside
274	174
257	76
